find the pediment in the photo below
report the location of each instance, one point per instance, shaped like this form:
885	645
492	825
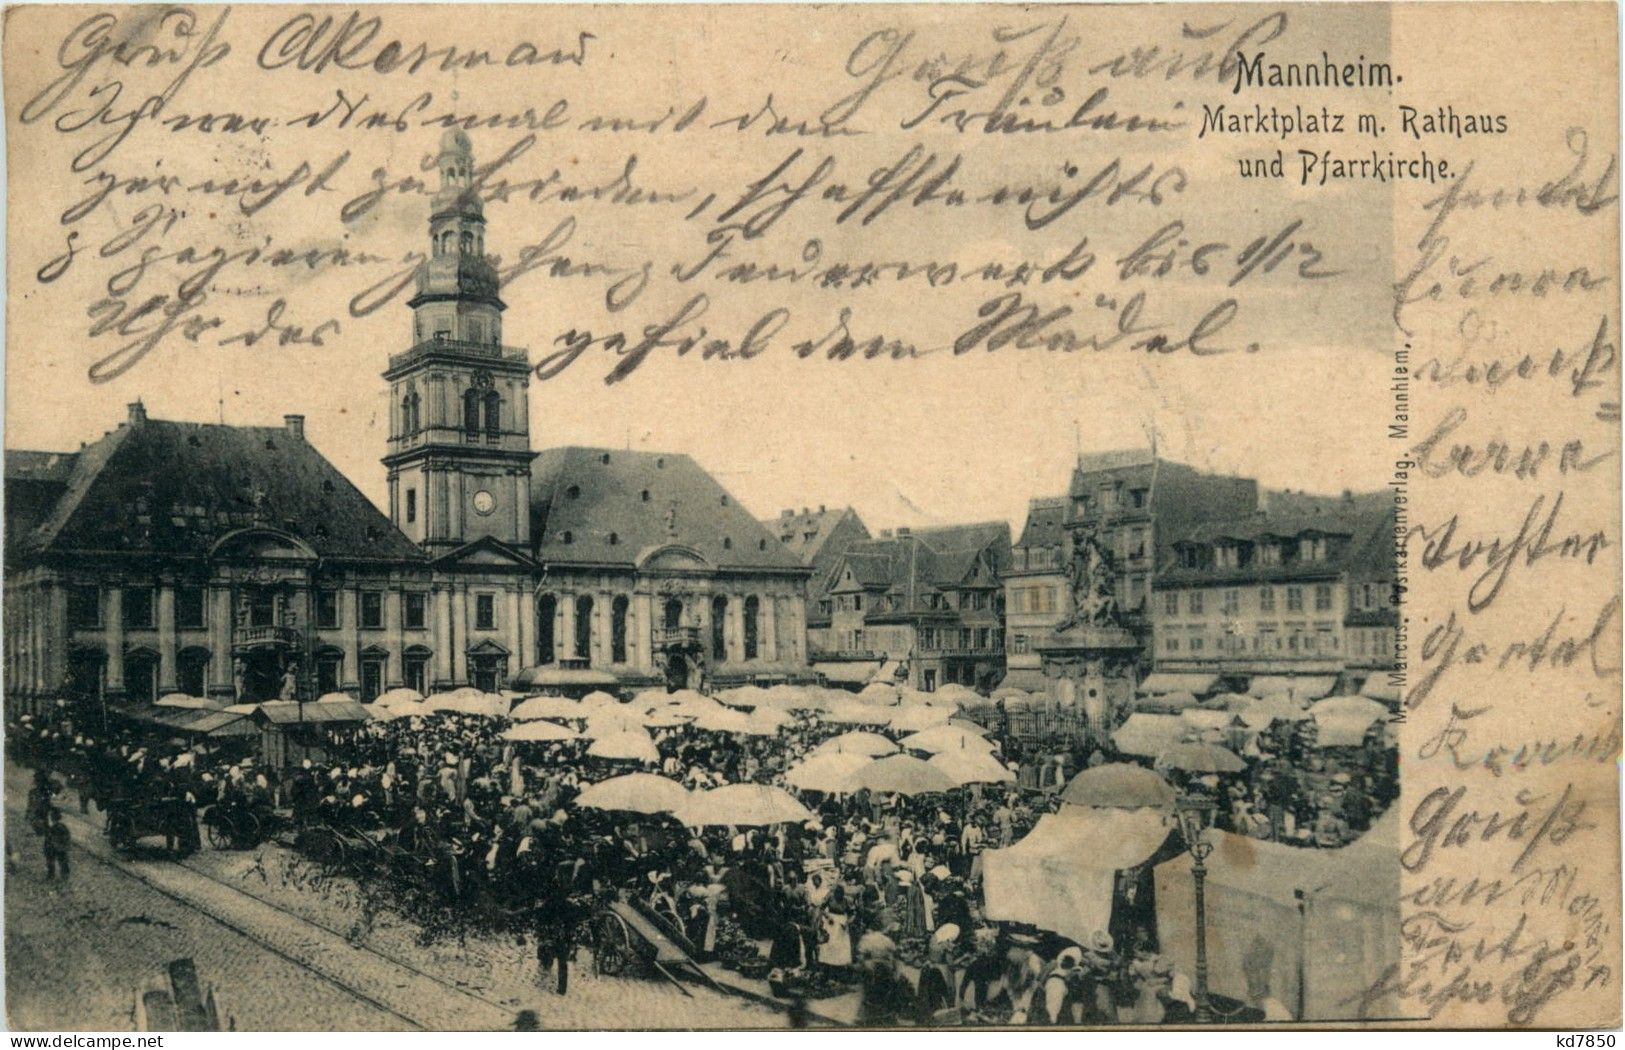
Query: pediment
672	557
262	544
488	552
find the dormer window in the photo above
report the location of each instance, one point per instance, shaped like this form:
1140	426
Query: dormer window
727	544
614	538
604	458
567	537
574	492
645	495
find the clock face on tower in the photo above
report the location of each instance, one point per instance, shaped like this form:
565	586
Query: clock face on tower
484	502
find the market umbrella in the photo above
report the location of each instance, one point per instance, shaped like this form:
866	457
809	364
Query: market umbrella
336	698
913	717
740	805
880	693
972	767
400	697
598	699
189	703
765	721
853	713
1349	707
945	738
546	707
632	746
856	742
722	720
1201	758
746	696
539	732
609	723
663	719
634	793
901	775
828	772
1342	730
1119	785
1280	708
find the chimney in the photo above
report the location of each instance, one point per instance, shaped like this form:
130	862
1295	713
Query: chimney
295	425
804	512
885	534
821	508
1348	495
138	413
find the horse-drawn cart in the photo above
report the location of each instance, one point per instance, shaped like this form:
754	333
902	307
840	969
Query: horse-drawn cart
627	937
131	819
236	826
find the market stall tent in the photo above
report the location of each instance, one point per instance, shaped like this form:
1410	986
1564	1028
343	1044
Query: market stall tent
1314	928
1060	877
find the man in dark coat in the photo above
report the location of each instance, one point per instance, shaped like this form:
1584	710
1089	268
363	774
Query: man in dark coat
56	846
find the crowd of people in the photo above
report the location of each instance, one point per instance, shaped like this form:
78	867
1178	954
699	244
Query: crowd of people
878	892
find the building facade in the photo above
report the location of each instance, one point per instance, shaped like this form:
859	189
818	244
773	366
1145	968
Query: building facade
1127	506
1037	592
236	562
923	607
1298	602
819	538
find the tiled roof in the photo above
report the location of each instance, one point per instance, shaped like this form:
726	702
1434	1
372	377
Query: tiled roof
606	506
1113	459
1046	519
1368	551
161	487
925	561
28	465
805	533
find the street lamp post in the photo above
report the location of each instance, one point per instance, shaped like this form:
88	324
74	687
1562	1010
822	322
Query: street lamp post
1195	817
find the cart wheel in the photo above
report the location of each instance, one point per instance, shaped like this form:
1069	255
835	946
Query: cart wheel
218	831
612	946
248	832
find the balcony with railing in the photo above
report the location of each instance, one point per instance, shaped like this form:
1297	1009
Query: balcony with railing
257	637
462	347
677	637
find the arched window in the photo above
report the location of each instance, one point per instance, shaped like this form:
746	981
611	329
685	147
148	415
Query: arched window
465	243
753	610
411	404
719	627
584	627
547	608
674	613
617	630
471	410
493	412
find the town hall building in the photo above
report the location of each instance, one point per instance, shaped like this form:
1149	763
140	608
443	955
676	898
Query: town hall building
237	563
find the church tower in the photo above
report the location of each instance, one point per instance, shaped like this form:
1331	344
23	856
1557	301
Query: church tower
459	436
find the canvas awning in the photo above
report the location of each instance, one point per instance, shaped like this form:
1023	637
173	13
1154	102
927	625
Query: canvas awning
548	676
1027	679
1158	682
286	712
1327	917
1299	687
1150	735
1378	687
1061	875
222	724
853	672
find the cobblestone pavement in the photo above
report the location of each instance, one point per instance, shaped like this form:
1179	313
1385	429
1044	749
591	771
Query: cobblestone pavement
255	903
76	952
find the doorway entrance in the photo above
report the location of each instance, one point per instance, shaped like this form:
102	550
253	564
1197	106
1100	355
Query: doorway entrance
261	673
